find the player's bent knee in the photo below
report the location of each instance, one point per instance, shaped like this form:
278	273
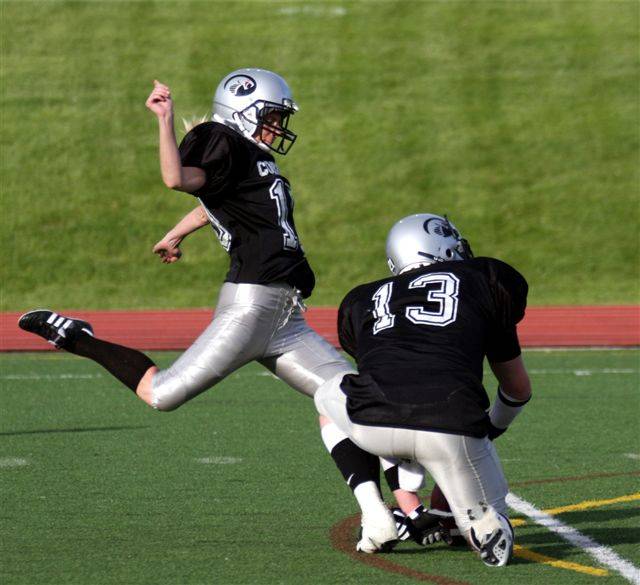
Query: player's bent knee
167	401
317	400
411	476
166	405
325	396
168	394
323	420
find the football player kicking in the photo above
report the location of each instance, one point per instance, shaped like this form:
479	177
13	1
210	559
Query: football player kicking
419	339
227	164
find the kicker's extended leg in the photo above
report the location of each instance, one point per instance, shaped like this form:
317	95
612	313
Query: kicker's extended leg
76	336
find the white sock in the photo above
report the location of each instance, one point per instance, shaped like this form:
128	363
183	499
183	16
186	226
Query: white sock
368	496
331	436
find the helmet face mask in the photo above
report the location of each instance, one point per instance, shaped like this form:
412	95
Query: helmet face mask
244	100
257	114
423	239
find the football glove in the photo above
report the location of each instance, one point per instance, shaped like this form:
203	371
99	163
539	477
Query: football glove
425	529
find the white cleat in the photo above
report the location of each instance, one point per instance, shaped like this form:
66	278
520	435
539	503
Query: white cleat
378	532
491	535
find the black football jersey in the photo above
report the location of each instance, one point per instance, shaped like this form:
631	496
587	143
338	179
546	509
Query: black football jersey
249	205
419	340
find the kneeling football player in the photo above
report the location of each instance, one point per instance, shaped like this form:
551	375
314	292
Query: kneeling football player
419	339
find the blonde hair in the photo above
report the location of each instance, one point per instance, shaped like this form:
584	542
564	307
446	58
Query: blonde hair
190	123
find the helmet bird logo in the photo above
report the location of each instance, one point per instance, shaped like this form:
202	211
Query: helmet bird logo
437	225
240	85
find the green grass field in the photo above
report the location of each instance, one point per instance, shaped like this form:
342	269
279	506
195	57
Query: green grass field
235	487
519	119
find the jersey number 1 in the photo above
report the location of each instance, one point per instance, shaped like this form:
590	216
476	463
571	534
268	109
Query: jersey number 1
445	295
279	191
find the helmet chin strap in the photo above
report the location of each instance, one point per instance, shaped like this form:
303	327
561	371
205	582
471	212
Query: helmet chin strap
260	145
237	119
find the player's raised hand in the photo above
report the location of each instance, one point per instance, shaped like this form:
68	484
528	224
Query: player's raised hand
159	100
168	249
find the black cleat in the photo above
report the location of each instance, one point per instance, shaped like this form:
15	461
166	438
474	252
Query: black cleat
56	329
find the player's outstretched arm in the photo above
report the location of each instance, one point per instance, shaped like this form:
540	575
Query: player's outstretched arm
174	175
168	248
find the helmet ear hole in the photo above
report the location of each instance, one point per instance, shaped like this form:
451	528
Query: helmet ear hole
448	253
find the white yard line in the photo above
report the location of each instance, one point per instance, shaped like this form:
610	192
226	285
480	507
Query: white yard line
559	349
583	372
603	554
50	376
219	460
318	11
12	462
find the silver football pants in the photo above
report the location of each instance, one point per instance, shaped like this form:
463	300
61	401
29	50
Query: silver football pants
251	322
467	469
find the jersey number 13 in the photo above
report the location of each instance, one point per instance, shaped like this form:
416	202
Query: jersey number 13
443	291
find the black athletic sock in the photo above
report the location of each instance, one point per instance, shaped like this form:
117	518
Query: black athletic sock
355	464
391	475
126	364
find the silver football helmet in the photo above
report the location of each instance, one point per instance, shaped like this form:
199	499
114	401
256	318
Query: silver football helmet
422	239
245	97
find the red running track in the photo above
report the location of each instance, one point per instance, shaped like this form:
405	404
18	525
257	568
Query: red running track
607	326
